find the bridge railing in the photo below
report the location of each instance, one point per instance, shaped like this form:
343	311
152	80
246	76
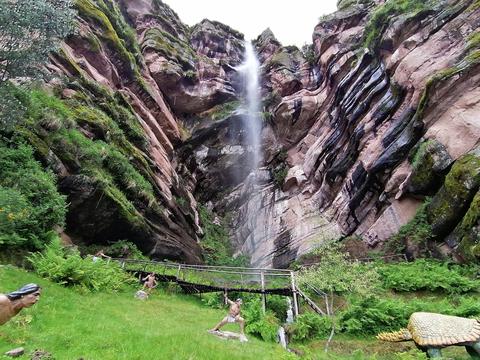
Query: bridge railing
221	276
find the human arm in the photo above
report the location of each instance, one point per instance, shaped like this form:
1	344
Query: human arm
229	302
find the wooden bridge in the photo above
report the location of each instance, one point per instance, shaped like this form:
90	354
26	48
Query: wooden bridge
197	279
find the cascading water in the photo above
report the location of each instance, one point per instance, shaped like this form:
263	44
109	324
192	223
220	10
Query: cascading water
251	128
252	125
282	337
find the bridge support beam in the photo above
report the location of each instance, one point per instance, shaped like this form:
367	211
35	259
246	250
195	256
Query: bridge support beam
264	297
294	292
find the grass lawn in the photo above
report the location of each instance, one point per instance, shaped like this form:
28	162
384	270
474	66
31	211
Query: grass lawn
73	326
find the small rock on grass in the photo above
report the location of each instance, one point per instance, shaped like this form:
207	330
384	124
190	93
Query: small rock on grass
41	355
16	352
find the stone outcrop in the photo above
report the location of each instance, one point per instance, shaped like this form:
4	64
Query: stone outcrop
377	129
378	113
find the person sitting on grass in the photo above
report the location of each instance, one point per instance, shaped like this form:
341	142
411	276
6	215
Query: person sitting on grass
150	282
11	304
232	317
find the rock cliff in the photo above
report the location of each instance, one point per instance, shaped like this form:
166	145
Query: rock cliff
372	127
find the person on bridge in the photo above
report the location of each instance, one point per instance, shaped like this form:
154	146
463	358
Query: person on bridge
11	304
150	282
232	317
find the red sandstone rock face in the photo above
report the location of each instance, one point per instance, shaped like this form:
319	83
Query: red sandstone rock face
348	139
348	134
342	123
192	67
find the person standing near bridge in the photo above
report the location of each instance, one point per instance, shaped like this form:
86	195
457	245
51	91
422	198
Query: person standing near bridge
150	282
232	317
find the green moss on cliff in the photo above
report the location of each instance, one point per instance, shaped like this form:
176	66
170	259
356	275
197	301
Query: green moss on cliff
90	11
380	19
344	4
89	142
451	202
422	164
417	231
467	233
170	47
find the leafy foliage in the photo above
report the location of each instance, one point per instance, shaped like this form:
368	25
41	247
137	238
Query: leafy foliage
68	268
12	110
279	174
30	205
371	314
29	31
308	53
264	326
336	273
424	274
309	326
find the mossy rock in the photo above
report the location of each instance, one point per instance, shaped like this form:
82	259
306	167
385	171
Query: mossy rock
451	202
430	163
467	232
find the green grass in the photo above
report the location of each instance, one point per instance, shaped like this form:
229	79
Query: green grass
70	325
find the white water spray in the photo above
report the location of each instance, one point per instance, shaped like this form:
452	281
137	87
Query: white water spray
252	124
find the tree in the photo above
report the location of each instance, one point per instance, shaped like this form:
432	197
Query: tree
29	31
336	275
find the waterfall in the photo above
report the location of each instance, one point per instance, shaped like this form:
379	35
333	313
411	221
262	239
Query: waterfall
282	337
251	121
289	311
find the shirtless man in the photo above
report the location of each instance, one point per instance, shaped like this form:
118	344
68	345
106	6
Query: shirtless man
11	304
232	317
150	282
98	255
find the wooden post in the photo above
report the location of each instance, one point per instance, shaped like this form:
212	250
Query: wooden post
294	292
225	296
178	272
264	298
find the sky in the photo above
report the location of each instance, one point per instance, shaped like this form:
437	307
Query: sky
292	21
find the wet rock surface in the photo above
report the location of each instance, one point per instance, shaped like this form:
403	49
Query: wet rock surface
358	128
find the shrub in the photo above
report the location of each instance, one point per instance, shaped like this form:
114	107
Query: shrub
265	326
309	326
30	30
30	205
426	274
371	315
68	268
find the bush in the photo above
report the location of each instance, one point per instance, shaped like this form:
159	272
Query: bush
427	275
309	326
371	315
68	268
264	326
30	205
